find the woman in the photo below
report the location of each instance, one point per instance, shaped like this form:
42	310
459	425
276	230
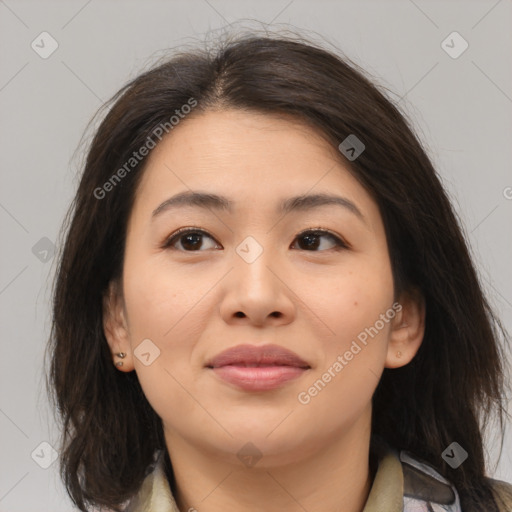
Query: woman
265	302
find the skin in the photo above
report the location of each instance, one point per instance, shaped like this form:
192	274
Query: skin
193	305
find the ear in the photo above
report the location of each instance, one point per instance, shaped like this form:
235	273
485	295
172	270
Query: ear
115	326
407	329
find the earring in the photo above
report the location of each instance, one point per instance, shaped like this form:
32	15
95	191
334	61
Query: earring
122	355
398	354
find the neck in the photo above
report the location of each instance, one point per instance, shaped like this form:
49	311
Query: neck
334	474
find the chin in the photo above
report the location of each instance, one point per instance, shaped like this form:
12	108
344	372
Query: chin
269	448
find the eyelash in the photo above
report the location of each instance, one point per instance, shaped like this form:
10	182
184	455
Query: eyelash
340	244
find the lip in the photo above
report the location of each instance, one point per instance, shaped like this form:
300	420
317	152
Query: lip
257	368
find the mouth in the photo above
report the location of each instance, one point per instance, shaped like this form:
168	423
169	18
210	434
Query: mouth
257	368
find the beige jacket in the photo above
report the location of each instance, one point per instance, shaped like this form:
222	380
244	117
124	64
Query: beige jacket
402	484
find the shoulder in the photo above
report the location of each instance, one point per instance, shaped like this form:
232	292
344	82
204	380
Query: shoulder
503	494
424	484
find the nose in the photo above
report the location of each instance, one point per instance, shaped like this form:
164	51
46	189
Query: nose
258	291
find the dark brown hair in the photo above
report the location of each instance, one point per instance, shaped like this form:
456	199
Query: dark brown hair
445	394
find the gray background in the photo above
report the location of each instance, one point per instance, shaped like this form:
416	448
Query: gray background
461	108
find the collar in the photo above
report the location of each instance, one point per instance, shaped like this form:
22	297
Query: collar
402	483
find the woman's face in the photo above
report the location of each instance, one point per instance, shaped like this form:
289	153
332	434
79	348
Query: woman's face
247	276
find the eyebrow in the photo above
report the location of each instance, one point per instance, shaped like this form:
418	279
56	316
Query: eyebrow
211	201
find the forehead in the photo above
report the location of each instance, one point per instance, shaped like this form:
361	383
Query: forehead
223	135
257	160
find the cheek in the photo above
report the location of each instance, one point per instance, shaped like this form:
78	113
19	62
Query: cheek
159	299
342	386
166	308
358	313
351	301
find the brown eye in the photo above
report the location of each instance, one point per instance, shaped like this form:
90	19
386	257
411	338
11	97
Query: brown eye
310	240
190	239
